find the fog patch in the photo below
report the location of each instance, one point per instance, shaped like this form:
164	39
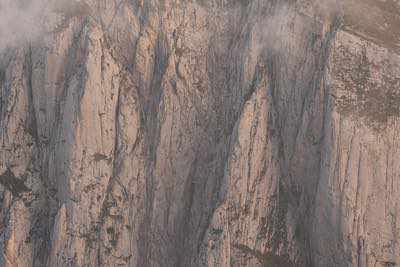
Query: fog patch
29	21
274	32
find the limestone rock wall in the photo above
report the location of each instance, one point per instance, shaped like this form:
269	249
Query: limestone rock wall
202	133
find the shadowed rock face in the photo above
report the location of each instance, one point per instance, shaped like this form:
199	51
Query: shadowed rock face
203	133
13	184
376	21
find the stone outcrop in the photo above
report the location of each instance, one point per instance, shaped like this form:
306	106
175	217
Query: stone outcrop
203	133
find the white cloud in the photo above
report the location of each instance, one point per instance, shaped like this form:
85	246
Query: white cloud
20	21
24	21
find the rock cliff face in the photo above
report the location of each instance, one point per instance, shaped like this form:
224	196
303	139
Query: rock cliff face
203	133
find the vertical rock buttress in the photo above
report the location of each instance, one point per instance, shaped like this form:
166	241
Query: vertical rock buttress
202	133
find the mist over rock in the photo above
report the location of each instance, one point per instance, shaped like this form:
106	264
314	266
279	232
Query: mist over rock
199	133
30	21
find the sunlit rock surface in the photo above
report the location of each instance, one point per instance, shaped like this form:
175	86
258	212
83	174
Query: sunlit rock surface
203	133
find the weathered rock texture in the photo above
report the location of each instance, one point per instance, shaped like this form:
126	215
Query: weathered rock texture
204	133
